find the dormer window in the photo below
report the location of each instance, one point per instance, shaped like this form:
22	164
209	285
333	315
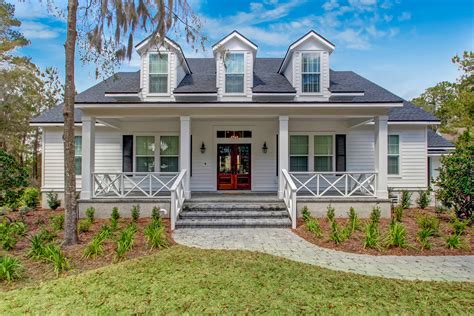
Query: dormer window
234	73
158	75
311	73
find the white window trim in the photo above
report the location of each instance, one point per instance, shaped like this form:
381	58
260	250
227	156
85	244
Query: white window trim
157	148
244	73
311	154
167	93
320	73
394	175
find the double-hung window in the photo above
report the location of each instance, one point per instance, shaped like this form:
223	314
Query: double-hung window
234	73
78	154
169	153
311	73
145	153
393	154
323	153
298	153
158	73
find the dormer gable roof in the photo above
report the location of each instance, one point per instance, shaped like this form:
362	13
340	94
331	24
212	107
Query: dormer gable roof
234	34
310	35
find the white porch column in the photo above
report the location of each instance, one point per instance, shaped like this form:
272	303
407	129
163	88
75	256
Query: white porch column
282	151
185	151
381	144
88	156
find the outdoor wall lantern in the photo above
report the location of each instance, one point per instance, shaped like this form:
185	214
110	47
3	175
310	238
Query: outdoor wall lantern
203	148
265	148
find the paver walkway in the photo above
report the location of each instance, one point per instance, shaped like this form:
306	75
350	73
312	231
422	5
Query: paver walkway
284	243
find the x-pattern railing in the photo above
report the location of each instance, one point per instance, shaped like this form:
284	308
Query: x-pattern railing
133	184
334	184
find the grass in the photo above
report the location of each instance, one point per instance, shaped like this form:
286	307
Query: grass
181	280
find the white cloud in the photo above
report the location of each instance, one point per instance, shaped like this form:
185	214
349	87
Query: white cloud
36	30
330	5
405	16
353	39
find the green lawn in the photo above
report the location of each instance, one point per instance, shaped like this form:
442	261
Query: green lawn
187	280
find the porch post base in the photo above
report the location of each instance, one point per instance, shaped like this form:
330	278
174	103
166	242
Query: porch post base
86	195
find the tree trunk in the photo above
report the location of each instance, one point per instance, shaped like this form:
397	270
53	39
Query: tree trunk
71	211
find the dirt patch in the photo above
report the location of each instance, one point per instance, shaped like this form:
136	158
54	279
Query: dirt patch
355	242
36	271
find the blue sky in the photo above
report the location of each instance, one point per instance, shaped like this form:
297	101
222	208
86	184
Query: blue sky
403	45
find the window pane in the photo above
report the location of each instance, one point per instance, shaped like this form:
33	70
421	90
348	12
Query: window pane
159	63
78	145
393	145
310	82
393	165
298	145
323	145
234	83
145	164
299	163
169	164
158	83
323	163
169	145
145	146
234	63
311	63
78	165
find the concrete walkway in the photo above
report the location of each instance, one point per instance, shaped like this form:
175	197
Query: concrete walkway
284	243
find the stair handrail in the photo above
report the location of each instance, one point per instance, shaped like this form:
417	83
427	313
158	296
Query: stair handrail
289	196
178	196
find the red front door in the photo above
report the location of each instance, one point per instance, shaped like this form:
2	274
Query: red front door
233	167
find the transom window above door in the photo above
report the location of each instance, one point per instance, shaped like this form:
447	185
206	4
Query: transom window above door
158	73
234	134
310	73
234	72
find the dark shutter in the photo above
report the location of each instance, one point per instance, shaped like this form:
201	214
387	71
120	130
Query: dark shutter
277	156
127	153
340	152
191	156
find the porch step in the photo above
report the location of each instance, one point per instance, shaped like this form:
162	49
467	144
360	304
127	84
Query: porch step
205	214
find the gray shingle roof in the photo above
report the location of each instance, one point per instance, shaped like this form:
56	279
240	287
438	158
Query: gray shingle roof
266	78
436	140
203	78
410	112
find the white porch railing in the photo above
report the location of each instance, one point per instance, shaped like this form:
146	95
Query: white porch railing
133	184
289	196
335	184
178	195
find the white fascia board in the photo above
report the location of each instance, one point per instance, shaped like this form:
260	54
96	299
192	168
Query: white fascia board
229	37
414	122
313	34
58	124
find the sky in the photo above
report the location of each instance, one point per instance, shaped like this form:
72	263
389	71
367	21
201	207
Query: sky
405	46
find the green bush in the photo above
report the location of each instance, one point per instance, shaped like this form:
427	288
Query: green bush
135	212
455	181
331	213
305	214
453	241
114	217
312	225
371	236
125	241
53	254
405	200
31	197
90	212
10	232
57	222
10	268
430	223
37	247
398	213
84	225
95	247
423	237
155	214
155	235
423	199
459	225
336	234
396	236
53	201
354	222
13	180
375	215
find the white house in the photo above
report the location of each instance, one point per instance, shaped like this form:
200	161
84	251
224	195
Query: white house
291	129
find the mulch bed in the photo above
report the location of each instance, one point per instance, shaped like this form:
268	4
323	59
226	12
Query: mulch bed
35	271
355	243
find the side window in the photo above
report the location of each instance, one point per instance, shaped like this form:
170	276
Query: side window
323	153
78	154
169	153
310	73
298	153
234	73
158	73
393	154
145	154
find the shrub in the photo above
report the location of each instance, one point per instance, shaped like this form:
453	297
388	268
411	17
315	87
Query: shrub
135	213
441	209
155	214
423	238
125	241
405	200
429	222
24	211
95	247
156	236
90	211
8	240
453	241
398	213
331	213
13	180
114	217
53	201
38	246
305	214
53	253
372	236
459	226
336	234
46	235
423	199
84	225
57	222
10	268
10	233
312	225
375	215
396	236
31	197
354	222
